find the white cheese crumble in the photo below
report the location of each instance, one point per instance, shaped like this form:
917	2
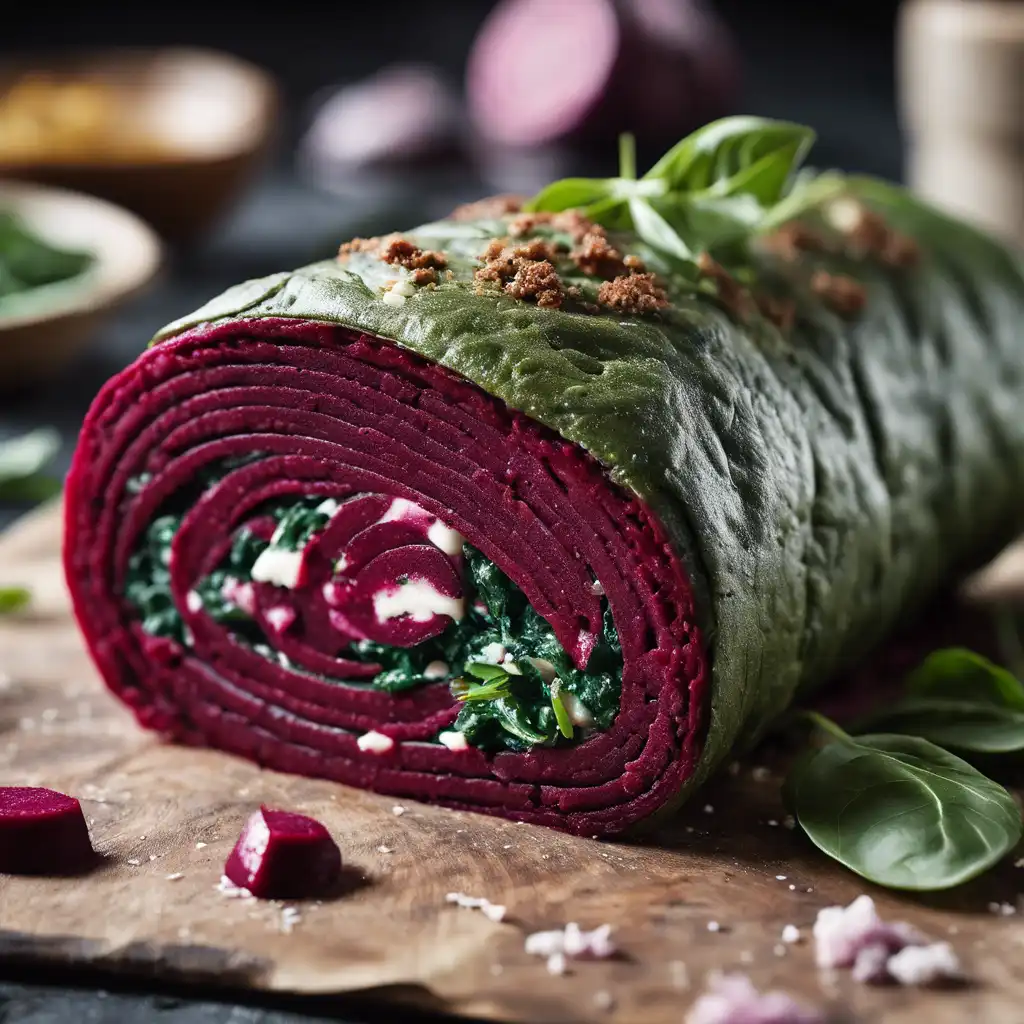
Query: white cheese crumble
437	670
393	298
280	618
840	933
193	602
925	965
453	740
493	653
445	538
398	810
375	742
290	917
327	507
556	963
492	911
228	888
418	599
732	999
281	568
572	941
597	588
791	933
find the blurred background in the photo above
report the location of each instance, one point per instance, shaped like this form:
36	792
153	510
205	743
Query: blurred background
293	127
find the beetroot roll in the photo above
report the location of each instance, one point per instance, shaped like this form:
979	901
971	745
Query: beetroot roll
543	510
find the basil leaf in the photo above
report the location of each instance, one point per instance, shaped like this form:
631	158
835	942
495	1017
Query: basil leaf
652	227
737	154
13	599
705	222
959	674
963	724
21	459
901	811
569	194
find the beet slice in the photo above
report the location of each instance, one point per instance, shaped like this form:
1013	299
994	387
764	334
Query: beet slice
42	832
281	855
545	71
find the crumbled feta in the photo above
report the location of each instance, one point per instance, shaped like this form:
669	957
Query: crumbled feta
193	602
229	889
870	966
290	917
280	617
385	849
556	963
453	740
493	653
732	999
327	507
791	933
176	877
375	742
841	932
597	588
398	810
419	599
279	567
437	670
714	926
925	965
709	809
573	942
492	911
445	538
393	298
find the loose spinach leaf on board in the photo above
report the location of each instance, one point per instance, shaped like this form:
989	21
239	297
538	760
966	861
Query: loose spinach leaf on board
21	461
13	599
901	811
960	700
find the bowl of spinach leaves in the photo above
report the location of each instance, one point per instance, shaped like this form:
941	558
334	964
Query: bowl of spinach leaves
67	260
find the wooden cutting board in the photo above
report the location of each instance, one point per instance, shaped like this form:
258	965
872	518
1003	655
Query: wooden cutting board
157	812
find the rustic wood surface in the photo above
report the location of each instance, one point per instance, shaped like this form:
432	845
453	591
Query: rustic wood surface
157	811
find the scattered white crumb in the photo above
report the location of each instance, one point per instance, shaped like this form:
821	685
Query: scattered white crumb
603	999
152	856
780	878
493	653
453	740
792	887
375	742
871	965
193	602
714	926
841	932
779	949
573	942
746	957
134	861
732	999
492	911
507	846
436	670
290	917
398	810
200	846
1019	863
228	888
385	849
176	877
760	774
709	809
925	965
772	823
680	974
556	963
1002	909
791	933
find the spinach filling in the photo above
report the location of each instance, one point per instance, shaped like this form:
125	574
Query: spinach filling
518	686
28	262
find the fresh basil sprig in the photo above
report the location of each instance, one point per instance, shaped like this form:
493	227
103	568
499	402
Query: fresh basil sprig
715	188
901	811
22	460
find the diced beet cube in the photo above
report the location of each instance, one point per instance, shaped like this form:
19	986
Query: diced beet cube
281	855
42	832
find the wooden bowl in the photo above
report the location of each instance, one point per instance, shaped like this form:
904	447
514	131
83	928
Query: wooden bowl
187	128
42	329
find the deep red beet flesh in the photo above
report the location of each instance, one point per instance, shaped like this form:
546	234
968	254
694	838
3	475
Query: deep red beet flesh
284	856
305	408
42	832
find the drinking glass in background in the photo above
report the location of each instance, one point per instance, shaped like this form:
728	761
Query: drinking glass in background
961	83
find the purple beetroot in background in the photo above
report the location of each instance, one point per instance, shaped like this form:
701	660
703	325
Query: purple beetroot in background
281	855
42	832
548	71
402	113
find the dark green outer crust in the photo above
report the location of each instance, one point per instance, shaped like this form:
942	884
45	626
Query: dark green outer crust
816	485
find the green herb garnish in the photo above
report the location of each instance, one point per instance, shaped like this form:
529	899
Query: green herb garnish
22	460
27	261
13	599
901	811
558	705
714	190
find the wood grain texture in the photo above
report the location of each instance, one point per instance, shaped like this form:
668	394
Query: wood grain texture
157	810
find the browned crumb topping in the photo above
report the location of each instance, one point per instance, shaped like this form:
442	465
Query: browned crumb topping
843	294
867	234
523	271
401	252
574	223
594	254
424	275
633	293
734	298
360	245
780	311
491	207
792	239
634	263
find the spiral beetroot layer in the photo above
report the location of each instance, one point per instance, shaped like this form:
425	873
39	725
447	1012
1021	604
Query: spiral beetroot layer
405	453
